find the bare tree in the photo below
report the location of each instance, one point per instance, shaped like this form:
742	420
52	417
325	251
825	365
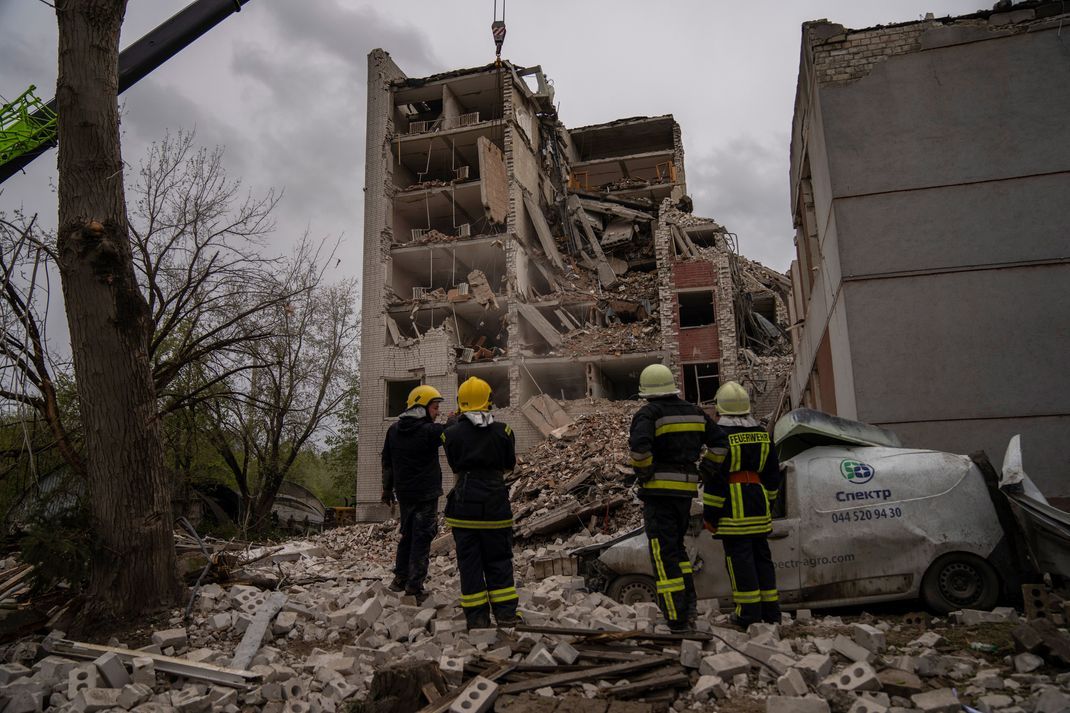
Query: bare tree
299	380
133	564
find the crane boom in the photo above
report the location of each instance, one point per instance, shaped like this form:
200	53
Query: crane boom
136	61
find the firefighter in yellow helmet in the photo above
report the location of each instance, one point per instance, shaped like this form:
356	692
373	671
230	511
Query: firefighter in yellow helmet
667	438
736	500
480	451
412	475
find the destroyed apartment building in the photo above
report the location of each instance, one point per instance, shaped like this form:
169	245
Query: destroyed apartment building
553	263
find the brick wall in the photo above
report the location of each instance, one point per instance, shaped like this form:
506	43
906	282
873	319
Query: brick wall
699	273
699	344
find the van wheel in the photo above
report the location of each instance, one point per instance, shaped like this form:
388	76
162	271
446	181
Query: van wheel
959	580
632	589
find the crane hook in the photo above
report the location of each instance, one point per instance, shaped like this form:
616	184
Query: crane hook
497	29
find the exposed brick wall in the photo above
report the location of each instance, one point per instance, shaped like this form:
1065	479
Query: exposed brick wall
699	344
693	274
851	55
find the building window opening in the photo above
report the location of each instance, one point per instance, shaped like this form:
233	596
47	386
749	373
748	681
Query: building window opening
397	393
696	309
701	382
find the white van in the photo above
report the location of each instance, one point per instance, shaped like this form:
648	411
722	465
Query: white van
861	519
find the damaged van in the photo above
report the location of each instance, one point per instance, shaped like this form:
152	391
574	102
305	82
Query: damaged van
860	519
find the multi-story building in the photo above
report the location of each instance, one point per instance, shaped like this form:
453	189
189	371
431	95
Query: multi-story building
930	174
550	262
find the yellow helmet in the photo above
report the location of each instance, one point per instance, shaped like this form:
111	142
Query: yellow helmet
473	395
656	380
732	400
423	395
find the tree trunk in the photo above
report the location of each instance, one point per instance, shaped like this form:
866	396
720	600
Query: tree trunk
133	564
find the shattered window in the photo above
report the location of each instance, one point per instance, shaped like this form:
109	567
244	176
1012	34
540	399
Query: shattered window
397	393
696	308
701	382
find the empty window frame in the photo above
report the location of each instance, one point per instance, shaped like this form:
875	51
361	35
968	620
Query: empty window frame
701	382
397	393
696	308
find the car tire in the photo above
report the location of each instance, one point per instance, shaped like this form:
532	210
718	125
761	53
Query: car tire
632	589
960	580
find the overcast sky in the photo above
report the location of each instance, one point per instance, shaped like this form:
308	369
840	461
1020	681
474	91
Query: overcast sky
282	86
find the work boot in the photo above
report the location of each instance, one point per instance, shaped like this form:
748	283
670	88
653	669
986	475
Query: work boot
510	620
478	620
397	585
420	594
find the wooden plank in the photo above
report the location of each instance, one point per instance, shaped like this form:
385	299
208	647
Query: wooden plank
542	229
669	677
597	634
443	704
599	672
254	635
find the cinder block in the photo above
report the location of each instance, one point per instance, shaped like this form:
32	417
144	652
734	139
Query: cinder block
112	670
143	670
1027	662
857	677
792	704
483	636
814	667
134	694
170	637
869	637
284	622
12	671
709	687
25	702
477	697
899	683
54	668
566	653
81	678
802	616
690	653
867	705
90	700
792	683
369	611
452	668
850	650
942	700
725	665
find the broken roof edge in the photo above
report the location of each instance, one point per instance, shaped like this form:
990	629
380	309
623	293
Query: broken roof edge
838	29
622	122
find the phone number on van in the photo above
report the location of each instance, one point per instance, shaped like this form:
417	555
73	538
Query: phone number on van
864	515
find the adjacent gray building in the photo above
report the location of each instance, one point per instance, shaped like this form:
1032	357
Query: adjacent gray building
930	186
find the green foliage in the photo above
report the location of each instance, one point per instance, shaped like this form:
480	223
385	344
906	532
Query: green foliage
59	548
341	456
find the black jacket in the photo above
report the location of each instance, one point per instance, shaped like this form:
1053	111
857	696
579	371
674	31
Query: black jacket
666	440
742	509
479	456
410	459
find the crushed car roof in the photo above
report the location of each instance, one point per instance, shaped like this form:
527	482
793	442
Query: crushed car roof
805	428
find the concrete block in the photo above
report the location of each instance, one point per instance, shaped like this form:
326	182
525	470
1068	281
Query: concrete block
1052	700
296	706
780	663
814	667
850	650
134	694
12	671
941	700
1027	662
294	689
477	697
483	636
54	668
143	670
284	623
112	670
792	683
541	656
452	668
803	616
690	653
369	611
725	665
81	678
994	702
867	705
857	677
170	637
793	704
90	700
900	683
869	637
929	640
24	702
709	687
566	653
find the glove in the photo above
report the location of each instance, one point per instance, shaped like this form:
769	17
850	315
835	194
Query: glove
710	528
388	497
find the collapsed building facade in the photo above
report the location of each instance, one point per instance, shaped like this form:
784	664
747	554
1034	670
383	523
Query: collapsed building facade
929	175
553	263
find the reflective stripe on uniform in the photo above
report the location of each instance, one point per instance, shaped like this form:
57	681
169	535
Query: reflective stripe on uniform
670	485
679	424
508	431
751	597
479	524
723	529
670	606
715	455
735	491
770	595
686	567
671	585
478	599
715	501
765	454
641	460
503	595
771	494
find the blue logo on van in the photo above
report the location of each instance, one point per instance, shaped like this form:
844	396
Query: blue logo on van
857	472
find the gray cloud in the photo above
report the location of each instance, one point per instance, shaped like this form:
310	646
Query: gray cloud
743	185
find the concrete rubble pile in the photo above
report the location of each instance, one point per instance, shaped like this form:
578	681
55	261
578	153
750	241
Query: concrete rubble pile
320	646
577	479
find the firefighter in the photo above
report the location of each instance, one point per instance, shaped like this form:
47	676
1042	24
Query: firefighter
736	500
412	475
480	451
666	440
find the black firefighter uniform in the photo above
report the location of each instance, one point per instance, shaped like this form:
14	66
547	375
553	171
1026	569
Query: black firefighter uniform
736	500
666	440
480	451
